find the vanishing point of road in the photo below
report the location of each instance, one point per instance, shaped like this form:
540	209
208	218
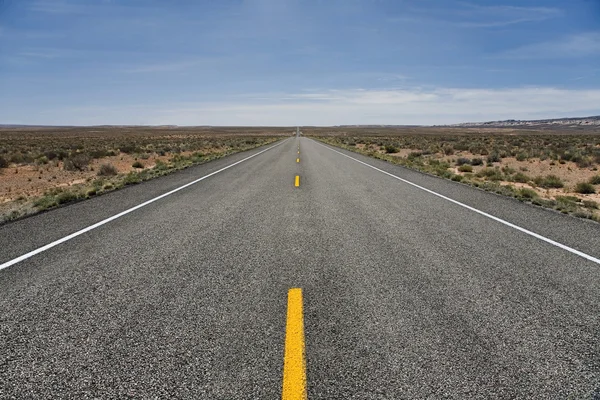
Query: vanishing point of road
299	270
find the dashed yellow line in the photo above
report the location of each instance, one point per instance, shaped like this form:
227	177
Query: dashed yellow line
294	364
297	160
297	182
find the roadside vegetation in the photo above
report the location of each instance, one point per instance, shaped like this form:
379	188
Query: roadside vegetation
42	168
555	169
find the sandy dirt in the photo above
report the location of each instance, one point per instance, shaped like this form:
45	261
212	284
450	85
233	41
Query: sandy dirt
30	180
568	172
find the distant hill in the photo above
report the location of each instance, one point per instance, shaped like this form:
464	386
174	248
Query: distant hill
568	122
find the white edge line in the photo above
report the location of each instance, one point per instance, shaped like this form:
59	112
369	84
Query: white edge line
122	213
535	235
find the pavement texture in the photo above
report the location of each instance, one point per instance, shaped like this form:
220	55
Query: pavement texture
406	295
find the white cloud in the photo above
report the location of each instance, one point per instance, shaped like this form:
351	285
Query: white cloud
38	54
467	15
499	16
580	45
57	7
194	63
340	107
165	67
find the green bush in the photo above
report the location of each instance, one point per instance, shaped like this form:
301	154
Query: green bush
508	170
77	162
566	203
492	174
465	168
549	181
391	149
448	150
45	202
493	157
522	156
100	153
595	180
476	161
462	161
527	193
132	178
585	188
160	166
17	158
137	164
443	173
567	199
521	177
584	162
107	170
66	197
197	157
128	149
3	162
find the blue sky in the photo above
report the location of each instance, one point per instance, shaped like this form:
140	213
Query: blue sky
297	62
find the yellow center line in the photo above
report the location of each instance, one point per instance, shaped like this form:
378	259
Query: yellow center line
294	364
297	160
297	183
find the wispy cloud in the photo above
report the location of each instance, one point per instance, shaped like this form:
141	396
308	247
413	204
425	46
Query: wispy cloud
356	106
467	15
58	7
40	54
180	65
390	78
164	67
580	45
477	16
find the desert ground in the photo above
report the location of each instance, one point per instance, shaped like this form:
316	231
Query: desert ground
554	167
43	167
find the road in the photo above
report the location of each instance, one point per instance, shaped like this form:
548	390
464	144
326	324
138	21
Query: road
405	294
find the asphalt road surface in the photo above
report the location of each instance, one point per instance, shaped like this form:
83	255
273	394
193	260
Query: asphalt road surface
406	294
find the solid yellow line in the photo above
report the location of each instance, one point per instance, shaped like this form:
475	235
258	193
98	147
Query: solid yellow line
294	363
297	183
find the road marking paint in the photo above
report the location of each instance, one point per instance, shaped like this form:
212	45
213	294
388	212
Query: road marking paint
297	182
107	220
294	363
526	231
297	160
298	151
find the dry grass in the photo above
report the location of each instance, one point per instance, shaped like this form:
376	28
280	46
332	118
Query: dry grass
556	168
41	168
